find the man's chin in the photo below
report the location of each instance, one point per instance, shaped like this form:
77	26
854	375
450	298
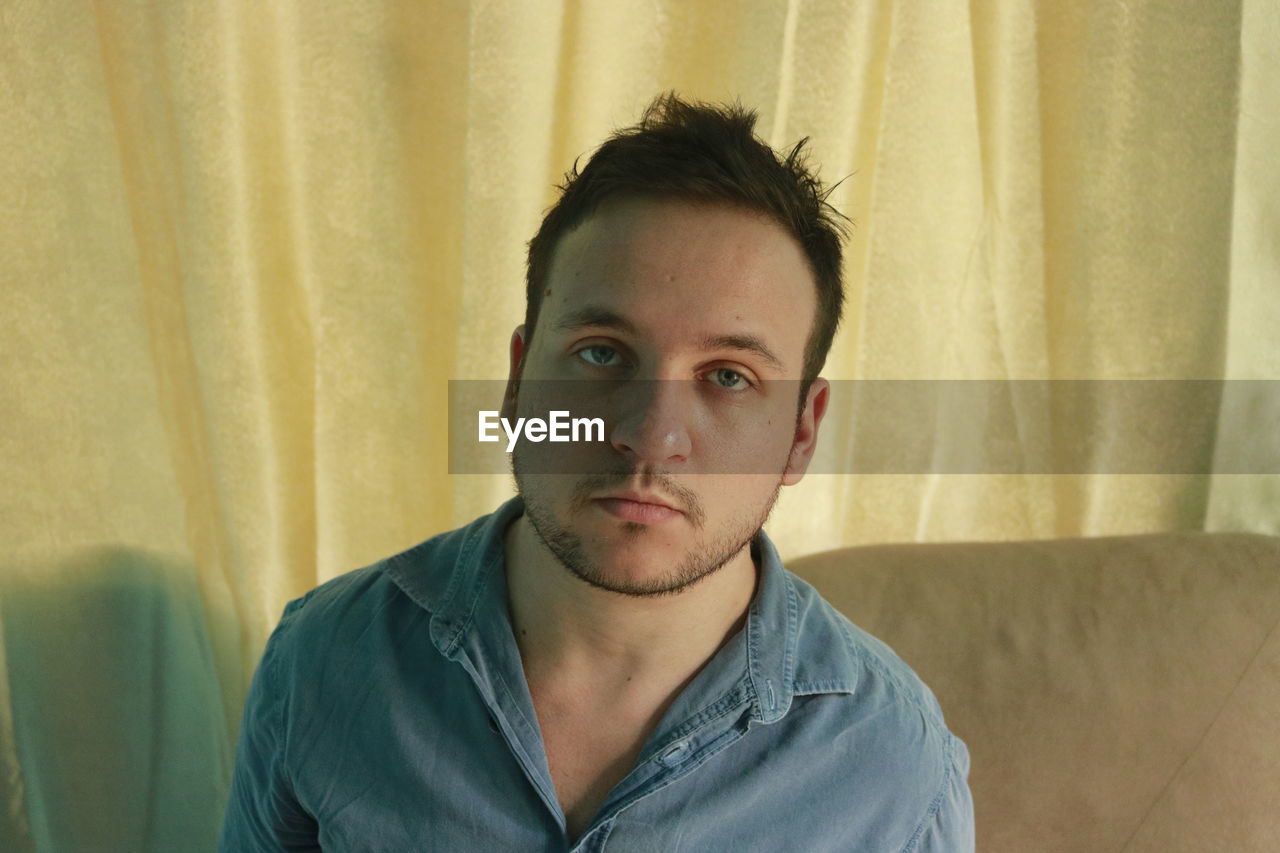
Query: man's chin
628	562
632	580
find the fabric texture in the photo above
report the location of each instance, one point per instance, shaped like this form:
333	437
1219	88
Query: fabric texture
391	712
244	247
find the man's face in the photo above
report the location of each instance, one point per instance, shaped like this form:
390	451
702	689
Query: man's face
695	318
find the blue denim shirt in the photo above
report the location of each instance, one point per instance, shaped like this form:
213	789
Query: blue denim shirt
390	712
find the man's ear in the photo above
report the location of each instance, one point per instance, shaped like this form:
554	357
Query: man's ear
519	347
806	436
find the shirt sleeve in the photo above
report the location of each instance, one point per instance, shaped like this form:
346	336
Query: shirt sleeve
951	828
262	813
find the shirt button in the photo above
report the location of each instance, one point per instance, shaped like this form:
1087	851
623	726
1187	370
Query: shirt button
493	724
675	754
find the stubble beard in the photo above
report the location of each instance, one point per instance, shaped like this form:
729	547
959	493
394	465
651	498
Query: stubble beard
703	559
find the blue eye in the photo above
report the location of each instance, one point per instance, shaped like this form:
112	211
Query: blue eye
598	349
730	380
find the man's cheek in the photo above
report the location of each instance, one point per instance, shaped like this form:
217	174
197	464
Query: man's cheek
757	450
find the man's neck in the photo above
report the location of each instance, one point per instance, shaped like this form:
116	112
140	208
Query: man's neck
606	647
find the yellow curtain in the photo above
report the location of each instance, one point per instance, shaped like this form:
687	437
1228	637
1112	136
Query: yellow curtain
246	244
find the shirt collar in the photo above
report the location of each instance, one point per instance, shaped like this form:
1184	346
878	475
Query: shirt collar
466	594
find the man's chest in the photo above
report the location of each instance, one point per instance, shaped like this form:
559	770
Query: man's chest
585	770
460	774
395	755
589	752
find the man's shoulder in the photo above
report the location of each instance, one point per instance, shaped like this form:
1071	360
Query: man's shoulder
416	580
833	652
890	722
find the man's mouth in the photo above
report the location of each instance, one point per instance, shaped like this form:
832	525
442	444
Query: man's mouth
639	507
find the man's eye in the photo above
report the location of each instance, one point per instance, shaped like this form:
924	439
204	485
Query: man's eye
600	356
730	380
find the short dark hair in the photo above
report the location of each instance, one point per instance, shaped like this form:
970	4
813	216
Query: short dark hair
694	151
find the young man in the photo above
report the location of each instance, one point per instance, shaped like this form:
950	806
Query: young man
617	659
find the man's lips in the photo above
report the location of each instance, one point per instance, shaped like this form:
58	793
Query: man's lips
639	497
637	507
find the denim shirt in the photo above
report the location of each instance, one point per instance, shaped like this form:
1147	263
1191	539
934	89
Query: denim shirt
390	712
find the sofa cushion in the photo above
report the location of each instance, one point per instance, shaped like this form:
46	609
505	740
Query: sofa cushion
1116	693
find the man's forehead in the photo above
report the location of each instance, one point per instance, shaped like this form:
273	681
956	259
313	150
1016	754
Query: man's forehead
626	229
693	274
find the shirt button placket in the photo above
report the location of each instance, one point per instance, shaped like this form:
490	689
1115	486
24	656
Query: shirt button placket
671	757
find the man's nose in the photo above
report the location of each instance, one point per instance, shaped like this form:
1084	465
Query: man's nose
651	420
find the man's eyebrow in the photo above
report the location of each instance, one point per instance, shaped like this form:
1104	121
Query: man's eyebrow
594	315
744	343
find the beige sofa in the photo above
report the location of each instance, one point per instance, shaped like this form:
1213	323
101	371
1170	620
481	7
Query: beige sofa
1116	694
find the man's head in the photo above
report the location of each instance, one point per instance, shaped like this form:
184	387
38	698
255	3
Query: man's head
691	262
699	152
